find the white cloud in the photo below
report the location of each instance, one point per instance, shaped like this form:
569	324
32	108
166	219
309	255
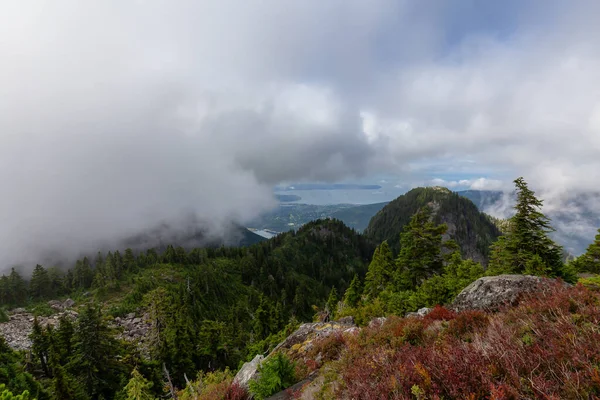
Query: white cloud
117	115
474	184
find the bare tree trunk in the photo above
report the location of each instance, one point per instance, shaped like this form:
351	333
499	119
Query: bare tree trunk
169	382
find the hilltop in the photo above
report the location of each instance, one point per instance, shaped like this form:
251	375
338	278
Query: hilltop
469	227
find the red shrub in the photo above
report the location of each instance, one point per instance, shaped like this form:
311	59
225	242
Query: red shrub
545	348
236	392
468	322
439	313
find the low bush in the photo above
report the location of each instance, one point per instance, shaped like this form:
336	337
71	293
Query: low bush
547	347
276	374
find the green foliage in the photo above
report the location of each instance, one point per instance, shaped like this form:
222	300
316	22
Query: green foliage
6	394
276	373
381	270
420	250
3	316
95	355
138	387
353	293
39	285
473	229
332	300
590	260
527	248
14	375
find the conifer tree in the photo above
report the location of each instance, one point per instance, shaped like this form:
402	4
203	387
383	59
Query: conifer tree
95	351
39	285
526	247
138	387
41	345
352	295
380	270
421	250
332	301
129	263
590	260
17	288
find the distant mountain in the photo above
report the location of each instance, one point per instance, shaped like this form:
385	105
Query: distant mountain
358	217
469	227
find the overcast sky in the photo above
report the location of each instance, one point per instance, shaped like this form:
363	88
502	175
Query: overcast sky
116	115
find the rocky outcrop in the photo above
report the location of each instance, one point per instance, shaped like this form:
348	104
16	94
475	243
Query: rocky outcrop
16	330
61	305
134	328
20	324
248	372
301	340
492	292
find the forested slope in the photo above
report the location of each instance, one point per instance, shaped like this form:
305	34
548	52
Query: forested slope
469	227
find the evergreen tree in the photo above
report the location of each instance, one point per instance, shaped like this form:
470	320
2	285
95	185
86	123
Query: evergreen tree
39	285
95	352
17	288
57	284
421	250
129	263
590	260
380	270
138	387
353	293
82	274
526	247
41	345
332	301
63	340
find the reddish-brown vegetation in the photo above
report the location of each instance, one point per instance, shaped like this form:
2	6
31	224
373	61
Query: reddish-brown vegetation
548	348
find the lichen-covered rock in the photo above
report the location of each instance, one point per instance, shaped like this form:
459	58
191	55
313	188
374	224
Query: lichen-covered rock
301	340
492	292
420	313
248	372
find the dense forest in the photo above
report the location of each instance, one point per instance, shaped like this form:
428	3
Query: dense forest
212	309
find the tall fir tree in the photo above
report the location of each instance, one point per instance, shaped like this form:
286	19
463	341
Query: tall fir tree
95	352
332	301
353	293
381	269
526	247
421	250
39	285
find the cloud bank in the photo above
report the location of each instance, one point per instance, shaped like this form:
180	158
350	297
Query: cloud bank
120	115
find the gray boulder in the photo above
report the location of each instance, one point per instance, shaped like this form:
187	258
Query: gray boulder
248	372
492	292
68	303
420	313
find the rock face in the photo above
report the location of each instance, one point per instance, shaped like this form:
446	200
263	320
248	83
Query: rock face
248	372
492	292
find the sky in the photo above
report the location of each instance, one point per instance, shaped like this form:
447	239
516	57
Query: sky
116	116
